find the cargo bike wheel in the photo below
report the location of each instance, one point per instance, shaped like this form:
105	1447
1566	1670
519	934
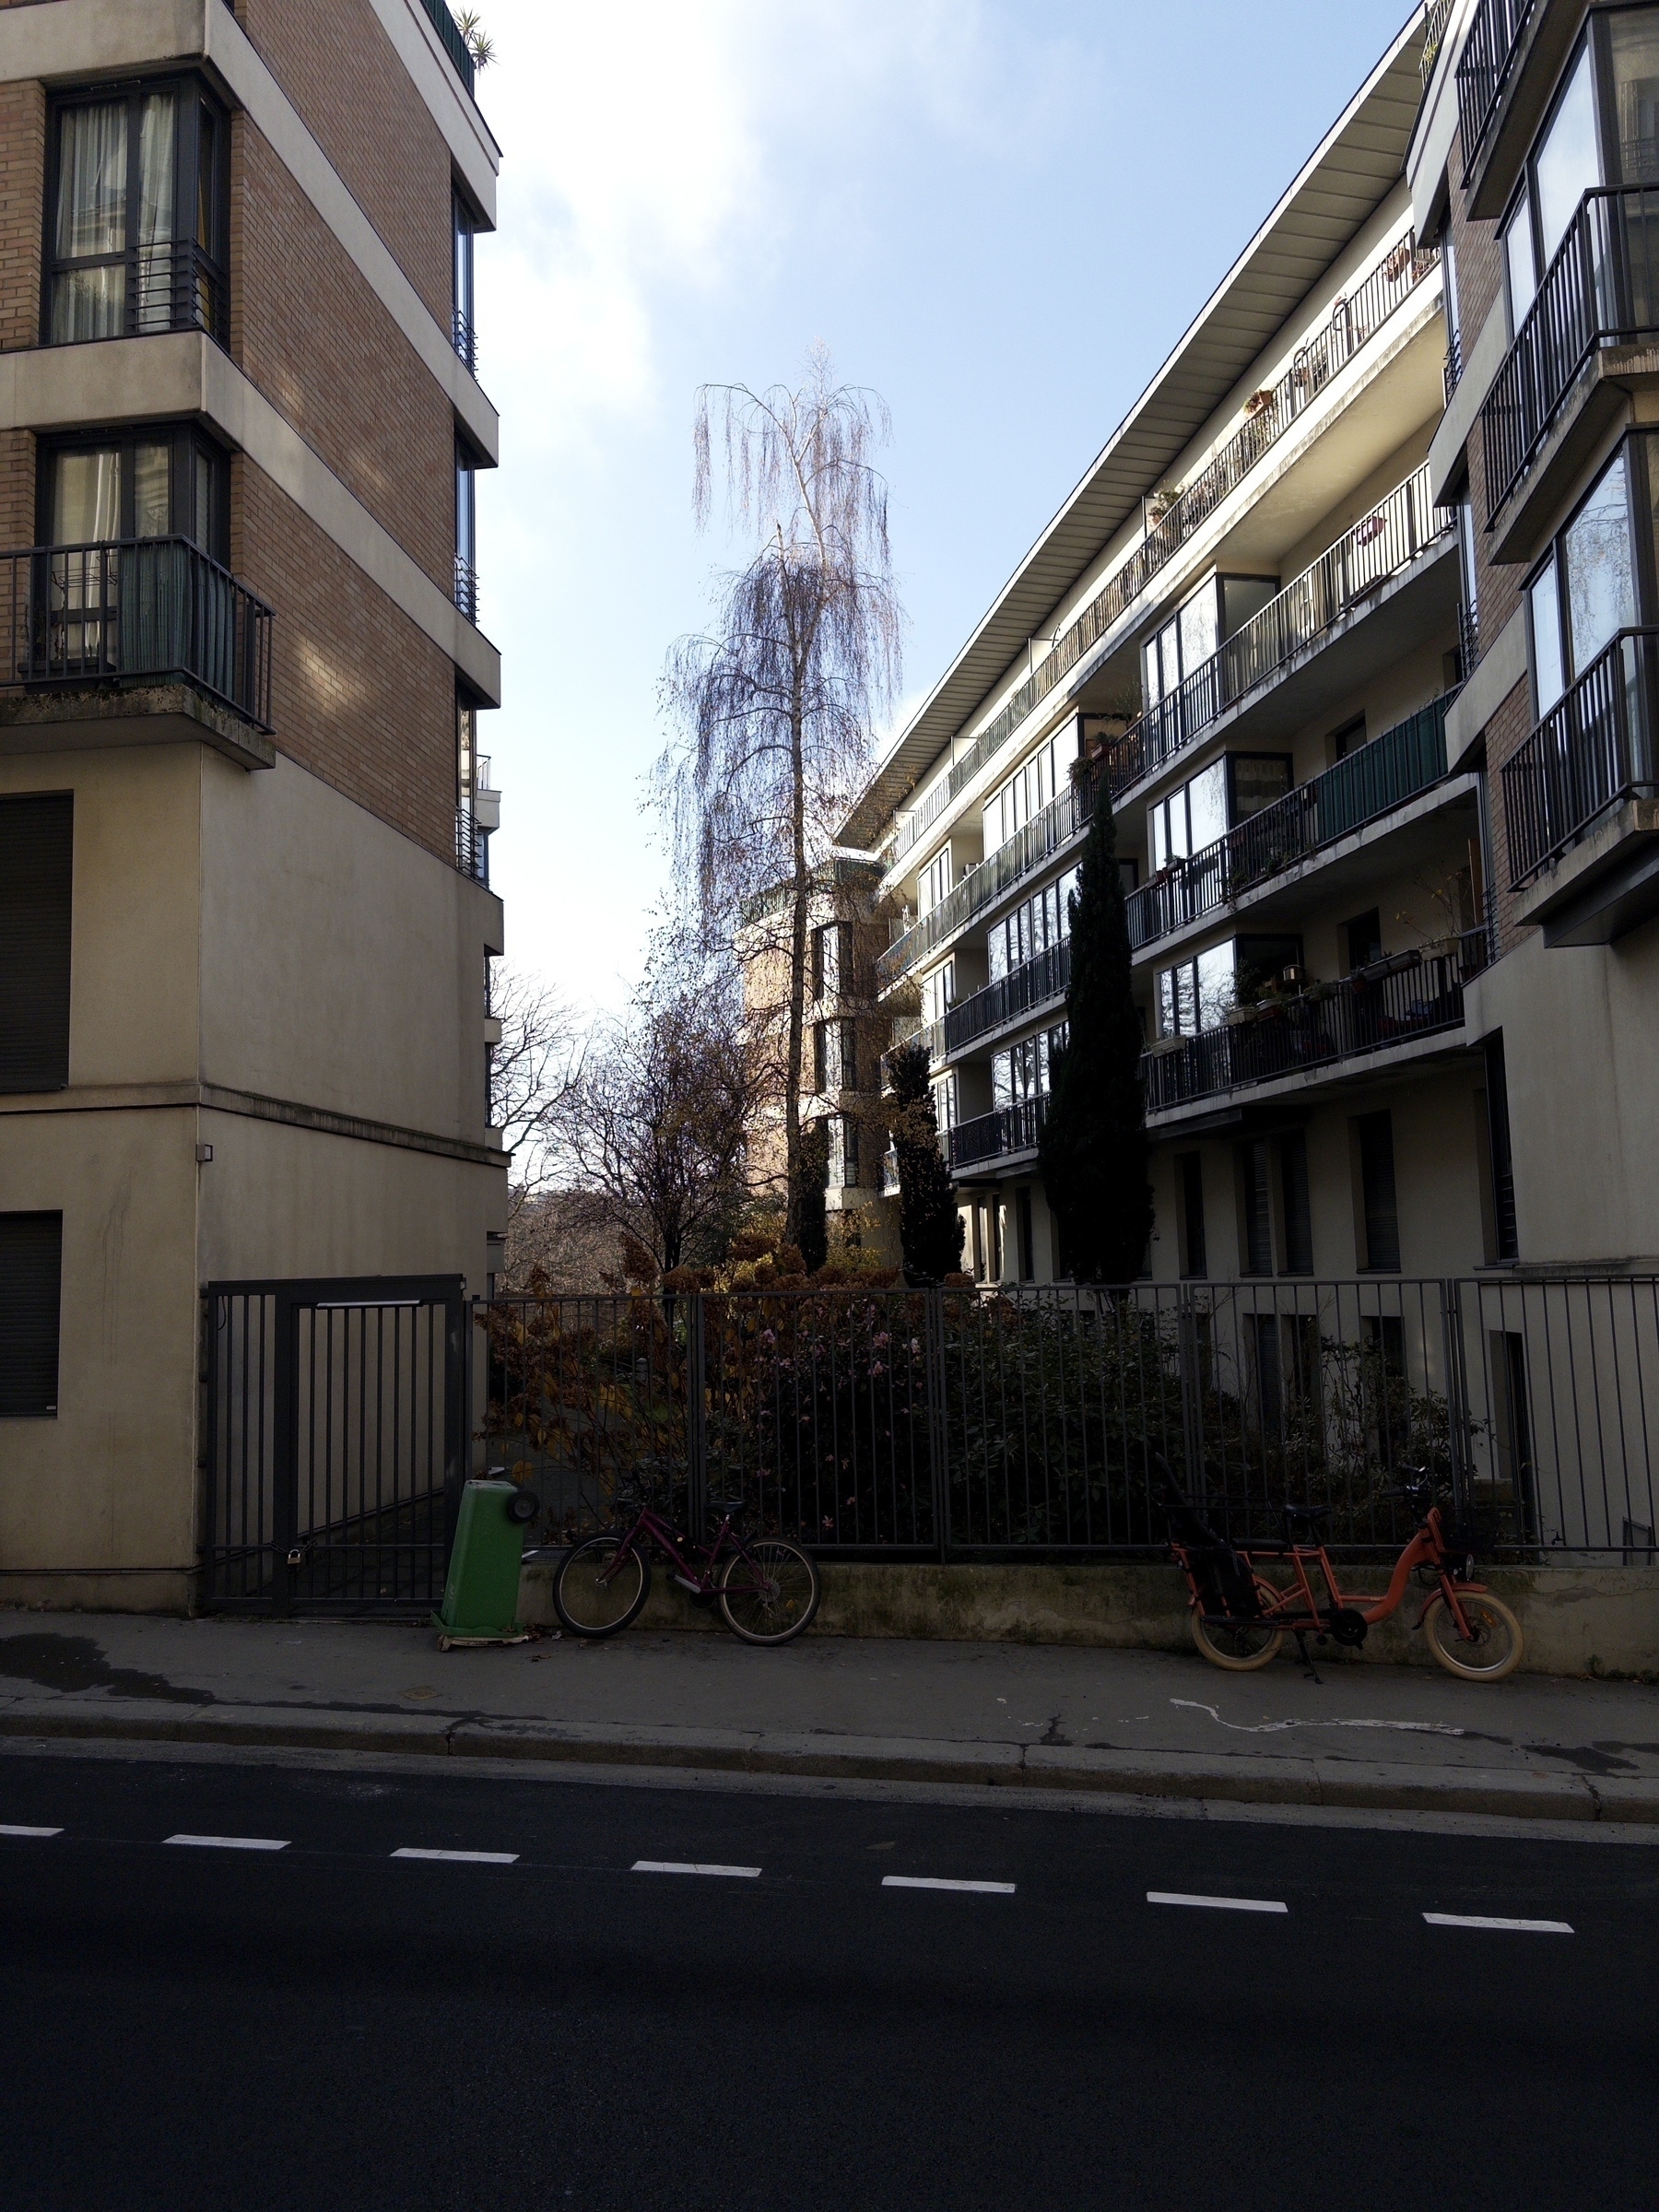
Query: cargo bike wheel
1240	1647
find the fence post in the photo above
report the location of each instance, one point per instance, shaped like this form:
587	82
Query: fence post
697	1433
1190	1359
1457	1394
938	1416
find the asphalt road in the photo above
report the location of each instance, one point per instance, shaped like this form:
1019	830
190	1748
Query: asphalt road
219	2023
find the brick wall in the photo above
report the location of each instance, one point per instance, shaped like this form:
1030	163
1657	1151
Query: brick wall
360	697
22	166
340	70
308	332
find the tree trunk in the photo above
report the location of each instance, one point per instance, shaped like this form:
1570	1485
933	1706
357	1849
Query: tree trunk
800	892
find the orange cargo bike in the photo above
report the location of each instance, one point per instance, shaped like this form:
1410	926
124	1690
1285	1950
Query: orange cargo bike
1241	1619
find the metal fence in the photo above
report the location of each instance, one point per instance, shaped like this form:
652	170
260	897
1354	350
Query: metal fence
890	1423
139	610
1592	750
1483	67
335	1421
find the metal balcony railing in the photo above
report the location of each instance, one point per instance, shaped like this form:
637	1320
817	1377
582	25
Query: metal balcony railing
1593	750
1602	286
1354	320
467	588
1392	1000
1483	68
1028	850
1435	16
1362	560
1403	762
1035	983
148	609
1016	1128
454	44
465	339
170	286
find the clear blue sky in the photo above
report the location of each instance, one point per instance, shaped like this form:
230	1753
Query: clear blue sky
1001	214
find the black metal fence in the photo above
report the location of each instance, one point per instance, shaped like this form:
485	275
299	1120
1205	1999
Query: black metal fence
334	1422
955	1424
147	609
1592	750
1483	67
1602	285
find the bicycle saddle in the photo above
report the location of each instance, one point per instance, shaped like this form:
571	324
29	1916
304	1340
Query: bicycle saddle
1304	1518
725	1505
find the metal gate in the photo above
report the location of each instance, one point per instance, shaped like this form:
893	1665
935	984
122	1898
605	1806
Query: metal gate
336	1442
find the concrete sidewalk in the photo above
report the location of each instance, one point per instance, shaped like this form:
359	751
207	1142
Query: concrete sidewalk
1138	1722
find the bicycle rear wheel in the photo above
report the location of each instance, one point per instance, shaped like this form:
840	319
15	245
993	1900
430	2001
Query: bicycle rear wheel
1493	1650
1241	1649
769	1591
585	1602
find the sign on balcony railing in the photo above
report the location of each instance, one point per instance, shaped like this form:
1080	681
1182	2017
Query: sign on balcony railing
152	609
1594	749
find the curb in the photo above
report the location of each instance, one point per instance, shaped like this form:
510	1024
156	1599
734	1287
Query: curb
1258	1779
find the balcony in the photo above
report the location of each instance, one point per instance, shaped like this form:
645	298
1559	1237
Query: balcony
139	612
1601	289
1370	783
1010	1129
1382	545
1354	320
1484	67
1392	1002
1435	18
477	818
467	588
1000	872
454	43
465	339
1035	983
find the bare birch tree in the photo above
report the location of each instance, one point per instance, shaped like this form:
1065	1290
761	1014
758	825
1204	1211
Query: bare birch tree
777	701
534	1074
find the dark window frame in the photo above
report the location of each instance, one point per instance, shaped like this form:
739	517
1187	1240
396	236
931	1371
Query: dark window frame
188	309
15	1228
1642	482
189	446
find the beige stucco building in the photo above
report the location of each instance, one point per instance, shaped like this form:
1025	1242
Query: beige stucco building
245	924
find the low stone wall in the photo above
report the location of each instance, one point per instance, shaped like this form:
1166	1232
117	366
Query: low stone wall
1577	1621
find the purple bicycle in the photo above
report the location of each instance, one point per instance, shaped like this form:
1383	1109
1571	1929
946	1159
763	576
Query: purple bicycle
767	1588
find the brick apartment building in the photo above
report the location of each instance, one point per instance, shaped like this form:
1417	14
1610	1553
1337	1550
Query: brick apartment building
244	918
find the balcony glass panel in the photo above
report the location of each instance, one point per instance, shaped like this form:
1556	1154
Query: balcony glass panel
1568	164
1601	570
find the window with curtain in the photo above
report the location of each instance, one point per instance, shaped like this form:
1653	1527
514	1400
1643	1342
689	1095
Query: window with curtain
165	482
1633	41
139	216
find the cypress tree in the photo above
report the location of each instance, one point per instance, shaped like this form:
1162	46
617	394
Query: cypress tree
930	1228
1093	1153
812	1180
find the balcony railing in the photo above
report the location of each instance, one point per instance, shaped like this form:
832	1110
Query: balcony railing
465	339
1035	983
1406	761
1435	16
1603	285
1354	320
172	286
1390	1002
1591	751
467	588
1028	850
1015	1129
1362	560
454	44
149	610
1483	68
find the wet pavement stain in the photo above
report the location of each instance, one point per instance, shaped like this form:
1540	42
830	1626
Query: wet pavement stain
77	1663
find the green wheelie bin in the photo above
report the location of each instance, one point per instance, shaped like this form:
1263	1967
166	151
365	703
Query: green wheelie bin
480	1598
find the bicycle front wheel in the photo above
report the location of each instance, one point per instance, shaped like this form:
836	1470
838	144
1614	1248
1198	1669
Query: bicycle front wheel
589	1599
1494	1646
769	1591
1243	1648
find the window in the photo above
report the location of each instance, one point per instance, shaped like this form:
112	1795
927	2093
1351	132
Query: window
945	1102
1217	799
1362	938
471	840
31	1268
137	216
1255	1207
1194	635
37	839
1544	614
1020	1072
843	1152
1634	41
1296	1212
165	482
1189	1170
934	884
1505	1239
1195	995
1589	587
1040	780
1567	163
1033	926
1023	1234
938	992
1378	1207
466	532
463	332
832	964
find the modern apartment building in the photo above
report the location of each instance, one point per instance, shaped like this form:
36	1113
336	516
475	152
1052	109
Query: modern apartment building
1536	159
245	924
1244	627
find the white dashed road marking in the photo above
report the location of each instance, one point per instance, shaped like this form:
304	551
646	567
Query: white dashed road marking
1218	1904
232	1842
6	1829
1482	1920
747	1874
477	1858
921	1881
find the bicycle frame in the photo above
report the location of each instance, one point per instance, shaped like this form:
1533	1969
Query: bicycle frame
1297	1608
651	1528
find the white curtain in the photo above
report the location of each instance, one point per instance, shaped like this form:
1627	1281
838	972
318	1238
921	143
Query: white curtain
91	219
158	126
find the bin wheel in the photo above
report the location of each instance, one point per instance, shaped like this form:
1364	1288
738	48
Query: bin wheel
523	1506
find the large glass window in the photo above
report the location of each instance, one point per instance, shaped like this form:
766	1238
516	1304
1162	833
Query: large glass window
1034	924
1197	994
1020	1072
1217	799
159	483
1567	164
466	532
1633	37
464	335
1544	604
1589	585
1037	782
138	217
